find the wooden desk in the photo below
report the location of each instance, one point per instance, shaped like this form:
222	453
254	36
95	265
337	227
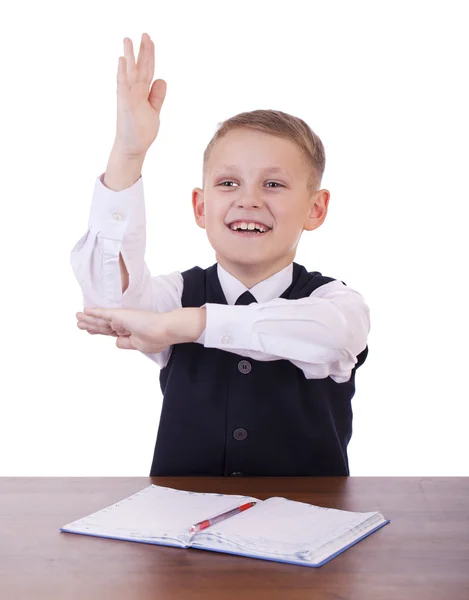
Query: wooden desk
422	554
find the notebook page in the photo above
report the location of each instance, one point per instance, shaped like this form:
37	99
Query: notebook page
283	528
155	513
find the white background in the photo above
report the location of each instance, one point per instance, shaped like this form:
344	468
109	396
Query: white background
384	85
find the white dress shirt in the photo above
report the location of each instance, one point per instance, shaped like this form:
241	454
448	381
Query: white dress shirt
321	334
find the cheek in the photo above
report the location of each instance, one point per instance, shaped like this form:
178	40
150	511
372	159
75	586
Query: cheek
285	219
216	214
289	224
291	212
214	220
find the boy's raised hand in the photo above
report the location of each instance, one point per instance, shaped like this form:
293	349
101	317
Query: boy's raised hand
138	110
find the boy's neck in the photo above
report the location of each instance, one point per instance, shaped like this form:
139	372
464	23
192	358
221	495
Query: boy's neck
251	275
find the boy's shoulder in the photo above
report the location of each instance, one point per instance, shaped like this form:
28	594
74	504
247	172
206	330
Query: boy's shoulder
304	282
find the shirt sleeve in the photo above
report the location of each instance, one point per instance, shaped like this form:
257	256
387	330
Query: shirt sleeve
117	224
321	334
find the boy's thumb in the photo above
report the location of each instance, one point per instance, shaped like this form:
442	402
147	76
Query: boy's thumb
125	343
157	94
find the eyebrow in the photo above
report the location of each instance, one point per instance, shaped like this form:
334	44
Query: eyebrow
272	169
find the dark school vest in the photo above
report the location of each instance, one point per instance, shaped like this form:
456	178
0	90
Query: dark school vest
225	414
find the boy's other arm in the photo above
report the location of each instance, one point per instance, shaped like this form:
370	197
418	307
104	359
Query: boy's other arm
321	334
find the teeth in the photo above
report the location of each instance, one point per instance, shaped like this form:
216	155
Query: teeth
248	227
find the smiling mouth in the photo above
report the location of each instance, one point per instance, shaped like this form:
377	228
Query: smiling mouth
249	232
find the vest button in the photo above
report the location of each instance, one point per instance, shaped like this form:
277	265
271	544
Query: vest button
236	473
240	434
244	366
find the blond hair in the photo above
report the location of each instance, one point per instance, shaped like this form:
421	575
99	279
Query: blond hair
280	124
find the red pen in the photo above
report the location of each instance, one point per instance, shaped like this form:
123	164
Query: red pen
208	522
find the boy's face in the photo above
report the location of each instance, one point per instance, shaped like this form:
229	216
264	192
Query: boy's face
247	192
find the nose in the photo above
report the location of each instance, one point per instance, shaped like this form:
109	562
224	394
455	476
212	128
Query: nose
249	200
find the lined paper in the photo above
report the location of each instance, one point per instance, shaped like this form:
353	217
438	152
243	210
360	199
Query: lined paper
155	513
283	527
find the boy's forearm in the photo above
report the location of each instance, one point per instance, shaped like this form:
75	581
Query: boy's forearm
122	171
186	325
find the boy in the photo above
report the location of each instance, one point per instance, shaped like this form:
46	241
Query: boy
257	355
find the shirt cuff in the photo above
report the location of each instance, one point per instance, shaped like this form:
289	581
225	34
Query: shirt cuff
230	327
112	213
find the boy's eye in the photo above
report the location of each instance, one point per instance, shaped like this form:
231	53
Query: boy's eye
276	183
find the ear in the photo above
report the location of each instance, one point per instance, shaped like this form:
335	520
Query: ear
198	206
318	205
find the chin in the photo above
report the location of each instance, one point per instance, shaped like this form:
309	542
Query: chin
247	259
239	254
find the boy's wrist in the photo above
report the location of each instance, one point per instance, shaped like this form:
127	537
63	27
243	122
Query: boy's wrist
186	324
122	171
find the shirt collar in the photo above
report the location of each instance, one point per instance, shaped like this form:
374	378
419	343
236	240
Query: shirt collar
266	290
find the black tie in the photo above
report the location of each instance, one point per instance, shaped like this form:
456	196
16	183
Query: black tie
245	299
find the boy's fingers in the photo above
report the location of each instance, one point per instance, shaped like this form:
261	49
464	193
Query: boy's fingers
92	319
151	61
143	58
129	56
105	320
120	330
102	325
101	313
92	328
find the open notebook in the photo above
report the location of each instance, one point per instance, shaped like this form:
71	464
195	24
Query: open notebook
276	529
